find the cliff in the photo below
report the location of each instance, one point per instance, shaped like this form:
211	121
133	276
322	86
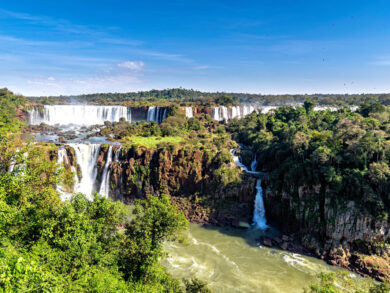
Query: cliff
340	232
203	184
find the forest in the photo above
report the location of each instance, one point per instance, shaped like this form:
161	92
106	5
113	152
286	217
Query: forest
193	96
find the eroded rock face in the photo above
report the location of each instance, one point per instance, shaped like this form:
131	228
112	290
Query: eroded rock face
338	232
181	173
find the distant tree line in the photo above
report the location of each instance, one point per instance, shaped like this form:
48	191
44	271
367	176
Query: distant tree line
194	96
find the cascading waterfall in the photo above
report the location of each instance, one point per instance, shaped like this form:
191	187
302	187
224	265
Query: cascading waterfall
105	185
86	115
61	160
86	155
189	112
220	113
117	153
259	219
254	164
157	114
227	113
129	114
238	163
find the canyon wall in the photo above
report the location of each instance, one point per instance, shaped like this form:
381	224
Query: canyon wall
339	232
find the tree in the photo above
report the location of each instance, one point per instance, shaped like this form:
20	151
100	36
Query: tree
309	105
156	221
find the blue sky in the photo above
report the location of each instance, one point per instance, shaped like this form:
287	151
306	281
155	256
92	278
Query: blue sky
264	46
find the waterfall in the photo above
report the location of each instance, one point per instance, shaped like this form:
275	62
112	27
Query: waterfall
129	114
259	219
62	156
151	113
236	160
225	115
222	113
63	159
105	185
189	112
215	113
254	164
86	155
157	114
77	114
117	153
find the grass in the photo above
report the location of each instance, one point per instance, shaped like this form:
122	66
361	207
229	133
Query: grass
152	141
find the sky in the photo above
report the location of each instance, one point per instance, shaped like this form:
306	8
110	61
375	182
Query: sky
264	46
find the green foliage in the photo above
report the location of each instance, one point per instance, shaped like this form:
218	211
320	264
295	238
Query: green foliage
344	152
343	283
47	245
309	105
9	104
157	220
226	100
179	95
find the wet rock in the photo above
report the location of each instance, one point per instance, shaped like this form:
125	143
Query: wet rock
267	242
284	246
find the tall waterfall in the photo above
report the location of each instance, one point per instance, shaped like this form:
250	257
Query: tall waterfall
157	114
77	114
86	155
259	219
189	112
105	185
63	159
117	154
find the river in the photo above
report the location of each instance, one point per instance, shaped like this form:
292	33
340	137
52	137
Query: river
231	261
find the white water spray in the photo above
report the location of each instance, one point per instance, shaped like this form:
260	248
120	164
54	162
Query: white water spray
86	155
117	153
157	114
189	112
259	219
86	115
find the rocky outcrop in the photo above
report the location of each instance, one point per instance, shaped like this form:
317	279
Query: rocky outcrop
188	175
339	232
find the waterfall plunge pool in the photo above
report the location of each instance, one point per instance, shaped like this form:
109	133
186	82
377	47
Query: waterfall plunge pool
230	260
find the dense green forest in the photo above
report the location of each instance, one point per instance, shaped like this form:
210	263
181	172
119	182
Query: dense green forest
347	152
185	95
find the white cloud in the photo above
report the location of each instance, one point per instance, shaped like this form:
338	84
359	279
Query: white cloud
381	61
200	67
133	65
51	78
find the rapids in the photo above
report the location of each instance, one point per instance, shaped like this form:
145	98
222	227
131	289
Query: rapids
230	260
